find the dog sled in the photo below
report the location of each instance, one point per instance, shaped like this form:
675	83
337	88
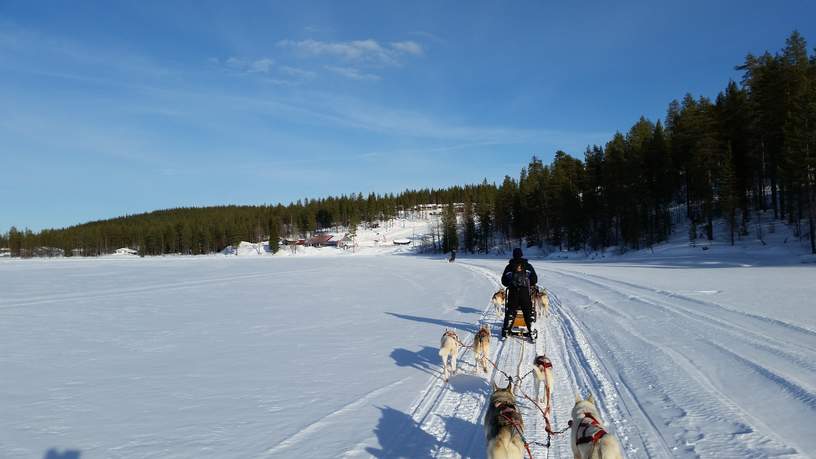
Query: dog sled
520	326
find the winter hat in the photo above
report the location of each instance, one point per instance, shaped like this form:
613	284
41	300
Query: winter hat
517	252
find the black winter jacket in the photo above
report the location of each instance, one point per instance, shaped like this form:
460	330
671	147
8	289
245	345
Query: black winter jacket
507	276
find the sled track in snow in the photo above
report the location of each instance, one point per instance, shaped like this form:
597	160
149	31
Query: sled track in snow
452	413
686	405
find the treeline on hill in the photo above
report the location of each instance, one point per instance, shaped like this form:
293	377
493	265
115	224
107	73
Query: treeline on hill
750	149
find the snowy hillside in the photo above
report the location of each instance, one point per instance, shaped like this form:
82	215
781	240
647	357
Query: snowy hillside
175	357
369	240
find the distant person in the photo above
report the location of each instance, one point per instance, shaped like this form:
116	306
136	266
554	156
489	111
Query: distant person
519	277
452	256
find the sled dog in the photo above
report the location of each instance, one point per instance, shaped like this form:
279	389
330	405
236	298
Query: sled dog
541	302
542	371
449	350
498	302
503	425
589	438
481	347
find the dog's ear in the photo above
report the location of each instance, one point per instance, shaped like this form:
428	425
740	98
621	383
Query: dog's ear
509	386
578	398
591	399
493	386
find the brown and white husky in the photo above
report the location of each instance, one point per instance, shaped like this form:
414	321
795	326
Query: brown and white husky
481	347
498	302
541	301
503	425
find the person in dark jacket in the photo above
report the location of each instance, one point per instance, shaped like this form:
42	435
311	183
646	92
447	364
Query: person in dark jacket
519	277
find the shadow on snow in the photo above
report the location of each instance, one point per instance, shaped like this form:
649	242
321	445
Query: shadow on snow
53	453
426	359
467	327
400	436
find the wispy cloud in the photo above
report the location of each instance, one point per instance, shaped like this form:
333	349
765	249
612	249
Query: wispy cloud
408	47
364	51
297	72
353	73
240	64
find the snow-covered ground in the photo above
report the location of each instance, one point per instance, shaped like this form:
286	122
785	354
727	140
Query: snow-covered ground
689	355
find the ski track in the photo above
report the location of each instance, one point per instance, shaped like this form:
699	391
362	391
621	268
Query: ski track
576	365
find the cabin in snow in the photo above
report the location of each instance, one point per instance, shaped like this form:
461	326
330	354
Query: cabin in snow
125	251
321	240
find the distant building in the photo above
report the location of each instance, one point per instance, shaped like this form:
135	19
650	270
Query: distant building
321	240
47	252
126	251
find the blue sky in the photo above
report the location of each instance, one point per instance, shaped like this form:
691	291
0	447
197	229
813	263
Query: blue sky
111	108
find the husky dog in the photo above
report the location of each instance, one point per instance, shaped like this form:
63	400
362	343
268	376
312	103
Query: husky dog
503	425
541	302
449	350
498	301
589	438
542	370
481	347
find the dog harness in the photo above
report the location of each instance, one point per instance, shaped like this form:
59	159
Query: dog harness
589	424
543	362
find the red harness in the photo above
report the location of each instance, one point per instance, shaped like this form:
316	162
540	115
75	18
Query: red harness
507	411
542	362
583	437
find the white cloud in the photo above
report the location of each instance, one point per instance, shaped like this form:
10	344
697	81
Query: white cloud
261	65
352	73
365	51
408	47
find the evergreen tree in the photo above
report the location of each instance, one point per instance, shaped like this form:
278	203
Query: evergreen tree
470	226
450	238
274	236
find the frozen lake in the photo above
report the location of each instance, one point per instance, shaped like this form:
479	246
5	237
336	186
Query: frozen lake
337	356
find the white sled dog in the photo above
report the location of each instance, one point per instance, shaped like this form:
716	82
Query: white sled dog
498	302
589	438
542	371
541	301
503	425
449	350
481	347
